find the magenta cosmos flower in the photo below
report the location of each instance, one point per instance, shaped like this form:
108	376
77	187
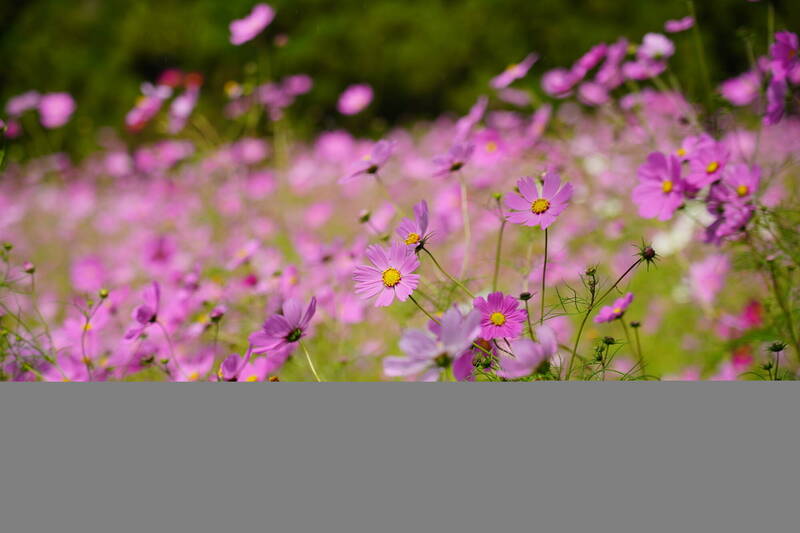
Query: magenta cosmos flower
707	166
660	189
427	356
55	109
532	207
412	232
146	314
655	46
355	99
282	332
372	162
785	57
501	316
612	312
391	276
514	72
528	355
243	30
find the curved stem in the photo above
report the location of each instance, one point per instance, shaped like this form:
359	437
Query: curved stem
310	362
411	297
451	278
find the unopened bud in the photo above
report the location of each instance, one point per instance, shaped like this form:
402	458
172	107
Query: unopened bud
525	296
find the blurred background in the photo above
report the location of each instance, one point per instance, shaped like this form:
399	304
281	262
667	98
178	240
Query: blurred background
423	57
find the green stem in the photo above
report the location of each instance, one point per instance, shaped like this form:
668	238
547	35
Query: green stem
497	256
411	297
465	220
451	278
630	343
544	273
310	362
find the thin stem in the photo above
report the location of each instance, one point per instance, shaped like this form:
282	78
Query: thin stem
465	221
638	343
169	344
528	317
451	278
628	338
592	304
310	362
544	273
497	255
411	297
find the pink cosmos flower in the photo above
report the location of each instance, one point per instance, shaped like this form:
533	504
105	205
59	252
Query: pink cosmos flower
455	158
589	60
743	89
426	356
655	46
413	232
514	72
732	218
660	189
282	332
785	61
501	316
559	82
593	94
693	144
707	166
355	99
679	25
465	124
245	29
707	277
23	102
146	314
55	109
391	276
528	355
739	183
372	162
612	312
534	207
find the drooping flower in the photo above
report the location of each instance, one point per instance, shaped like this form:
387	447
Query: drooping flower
372	162
146	314
282	332
660	189
413	232
355	99
535	207
245	29
528	355
615	311
679	25
391	276
455	158
501	316
427	356
514	72
55	109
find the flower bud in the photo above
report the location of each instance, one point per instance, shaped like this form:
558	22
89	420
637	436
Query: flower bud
28	267
525	296
103	294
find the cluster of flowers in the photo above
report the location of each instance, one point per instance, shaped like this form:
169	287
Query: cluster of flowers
316	236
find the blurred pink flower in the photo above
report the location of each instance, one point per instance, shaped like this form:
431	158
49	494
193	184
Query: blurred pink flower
55	109
245	29
355	99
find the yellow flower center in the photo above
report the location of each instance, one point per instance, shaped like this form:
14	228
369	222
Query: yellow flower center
712	167
413	238
66	380
367	157
87	327
194	376
539	206
491	146
391	277
666	186
681	152
498	319
617	310
251	378
511	67
742	190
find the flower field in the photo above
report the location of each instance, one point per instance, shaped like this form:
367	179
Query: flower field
601	225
